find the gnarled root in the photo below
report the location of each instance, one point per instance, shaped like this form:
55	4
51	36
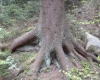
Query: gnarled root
71	49
22	40
36	65
61	57
82	51
74	51
26	38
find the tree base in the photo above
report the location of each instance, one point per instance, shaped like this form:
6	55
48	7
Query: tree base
69	50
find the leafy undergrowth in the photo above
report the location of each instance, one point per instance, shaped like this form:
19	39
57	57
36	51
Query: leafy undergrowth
10	63
98	58
6	63
85	73
7	35
24	60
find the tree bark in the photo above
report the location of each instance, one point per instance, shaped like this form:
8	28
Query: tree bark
54	35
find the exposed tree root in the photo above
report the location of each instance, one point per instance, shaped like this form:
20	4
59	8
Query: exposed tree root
72	50
74	62
22	40
37	64
51	31
81	56
82	51
22	67
90	57
61	57
26	38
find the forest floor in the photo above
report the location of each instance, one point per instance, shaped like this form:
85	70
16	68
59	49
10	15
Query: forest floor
47	73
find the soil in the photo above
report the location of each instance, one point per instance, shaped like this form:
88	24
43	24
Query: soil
51	74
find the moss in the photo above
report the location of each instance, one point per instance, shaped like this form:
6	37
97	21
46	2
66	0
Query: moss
24	57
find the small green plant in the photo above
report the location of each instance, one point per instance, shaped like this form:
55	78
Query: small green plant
6	63
13	11
3	32
98	58
72	74
4	55
84	73
84	1
4	35
24	57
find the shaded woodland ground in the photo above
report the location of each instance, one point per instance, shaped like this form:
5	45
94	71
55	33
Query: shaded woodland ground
81	19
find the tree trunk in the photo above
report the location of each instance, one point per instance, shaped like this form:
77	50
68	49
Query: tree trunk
54	35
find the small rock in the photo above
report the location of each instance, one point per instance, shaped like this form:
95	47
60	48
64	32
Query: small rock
93	44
